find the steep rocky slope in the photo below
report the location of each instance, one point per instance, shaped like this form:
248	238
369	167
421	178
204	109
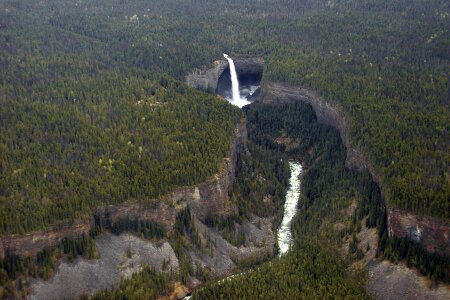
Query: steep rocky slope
207	198
431	233
120	256
207	79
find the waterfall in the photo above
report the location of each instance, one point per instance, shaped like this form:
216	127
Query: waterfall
236	100
234	80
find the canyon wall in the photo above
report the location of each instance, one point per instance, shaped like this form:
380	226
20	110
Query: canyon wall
31	243
209	198
277	93
206	79
431	233
204	199
427	231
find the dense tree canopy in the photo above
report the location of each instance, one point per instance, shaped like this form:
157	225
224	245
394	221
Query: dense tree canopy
74	65
113	139
93	109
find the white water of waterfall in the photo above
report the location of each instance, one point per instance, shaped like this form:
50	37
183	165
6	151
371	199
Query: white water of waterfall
237	99
284	234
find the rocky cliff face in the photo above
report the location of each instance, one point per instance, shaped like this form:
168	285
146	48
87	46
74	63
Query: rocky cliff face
432	234
277	93
30	244
207	79
249	66
427	231
207	198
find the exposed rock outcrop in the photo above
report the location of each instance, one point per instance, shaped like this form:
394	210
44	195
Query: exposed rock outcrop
397	281
333	115
427	231
431	233
207	79
223	257
31	243
209	198
179	292
119	256
248	66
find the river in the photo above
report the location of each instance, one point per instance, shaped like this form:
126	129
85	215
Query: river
284	233
90	276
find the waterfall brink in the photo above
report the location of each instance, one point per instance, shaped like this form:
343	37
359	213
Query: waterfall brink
236	100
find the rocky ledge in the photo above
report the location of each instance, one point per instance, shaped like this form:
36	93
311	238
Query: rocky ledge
206	79
431	233
209	198
31	243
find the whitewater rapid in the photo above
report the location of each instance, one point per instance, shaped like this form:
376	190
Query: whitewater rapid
236	98
284	234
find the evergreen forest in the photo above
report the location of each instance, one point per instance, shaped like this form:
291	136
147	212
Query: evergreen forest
86	63
94	111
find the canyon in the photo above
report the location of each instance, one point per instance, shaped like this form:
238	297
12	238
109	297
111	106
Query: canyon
386	280
431	233
124	254
211	197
